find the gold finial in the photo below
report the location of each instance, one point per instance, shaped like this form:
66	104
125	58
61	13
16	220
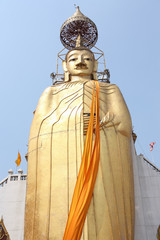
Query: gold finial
78	12
78	8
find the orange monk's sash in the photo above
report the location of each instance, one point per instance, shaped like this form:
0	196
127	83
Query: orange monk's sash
87	174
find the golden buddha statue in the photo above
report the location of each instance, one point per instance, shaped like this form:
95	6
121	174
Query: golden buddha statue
56	148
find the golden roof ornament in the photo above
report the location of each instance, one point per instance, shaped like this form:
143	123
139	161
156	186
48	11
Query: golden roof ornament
78	25
158	233
3	231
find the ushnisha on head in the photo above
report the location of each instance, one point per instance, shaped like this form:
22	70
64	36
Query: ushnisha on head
80	64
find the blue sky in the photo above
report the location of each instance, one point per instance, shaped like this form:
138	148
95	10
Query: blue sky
129	35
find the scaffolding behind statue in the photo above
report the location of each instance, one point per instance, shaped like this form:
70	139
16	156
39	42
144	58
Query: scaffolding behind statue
80	176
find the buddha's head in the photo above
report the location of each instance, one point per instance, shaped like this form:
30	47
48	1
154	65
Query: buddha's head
80	62
80	34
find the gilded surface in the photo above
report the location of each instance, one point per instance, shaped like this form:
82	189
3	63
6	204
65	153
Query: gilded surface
55	150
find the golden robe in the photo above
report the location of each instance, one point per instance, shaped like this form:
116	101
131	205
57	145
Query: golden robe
55	150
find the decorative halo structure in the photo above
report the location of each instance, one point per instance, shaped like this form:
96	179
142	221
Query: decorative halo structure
77	25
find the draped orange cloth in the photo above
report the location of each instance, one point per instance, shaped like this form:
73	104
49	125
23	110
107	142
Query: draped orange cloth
87	174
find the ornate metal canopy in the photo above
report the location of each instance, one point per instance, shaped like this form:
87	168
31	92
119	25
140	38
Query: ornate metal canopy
77	25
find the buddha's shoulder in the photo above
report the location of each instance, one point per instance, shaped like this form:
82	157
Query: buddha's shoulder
73	86
103	85
108	85
61	87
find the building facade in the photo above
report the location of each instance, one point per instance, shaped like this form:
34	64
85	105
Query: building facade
12	203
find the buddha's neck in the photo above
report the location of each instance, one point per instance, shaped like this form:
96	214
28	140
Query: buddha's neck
80	78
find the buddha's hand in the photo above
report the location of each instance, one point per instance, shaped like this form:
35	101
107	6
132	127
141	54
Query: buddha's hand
106	119
117	114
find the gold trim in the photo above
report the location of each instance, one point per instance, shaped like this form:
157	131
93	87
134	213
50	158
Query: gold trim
5	231
158	233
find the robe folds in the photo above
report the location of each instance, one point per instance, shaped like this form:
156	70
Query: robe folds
56	144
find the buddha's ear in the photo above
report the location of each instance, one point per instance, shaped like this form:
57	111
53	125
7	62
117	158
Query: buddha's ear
95	70
95	66
66	73
64	64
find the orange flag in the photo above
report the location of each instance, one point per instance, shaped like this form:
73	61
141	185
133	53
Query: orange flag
18	161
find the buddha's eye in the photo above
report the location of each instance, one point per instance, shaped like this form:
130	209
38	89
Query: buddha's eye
72	59
88	59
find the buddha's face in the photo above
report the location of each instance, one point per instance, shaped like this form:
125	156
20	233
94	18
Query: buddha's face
80	63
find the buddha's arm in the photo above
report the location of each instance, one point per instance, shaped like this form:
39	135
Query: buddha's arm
44	104
44	107
117	112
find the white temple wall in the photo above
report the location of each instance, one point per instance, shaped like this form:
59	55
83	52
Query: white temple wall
12	204
147	199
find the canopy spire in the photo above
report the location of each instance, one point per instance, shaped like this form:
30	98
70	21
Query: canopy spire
77	25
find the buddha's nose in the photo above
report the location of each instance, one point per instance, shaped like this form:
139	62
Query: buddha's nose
81	63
